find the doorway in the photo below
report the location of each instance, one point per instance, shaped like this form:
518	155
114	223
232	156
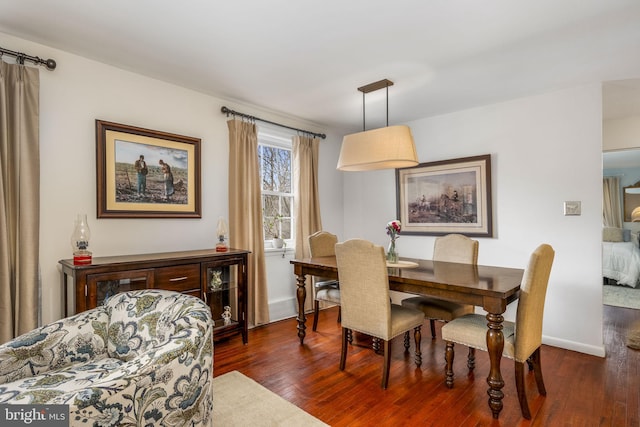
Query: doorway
621	164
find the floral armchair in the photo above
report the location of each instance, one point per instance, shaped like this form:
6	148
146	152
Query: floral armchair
143	358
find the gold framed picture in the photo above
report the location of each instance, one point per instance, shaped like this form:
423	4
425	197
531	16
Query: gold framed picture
143	173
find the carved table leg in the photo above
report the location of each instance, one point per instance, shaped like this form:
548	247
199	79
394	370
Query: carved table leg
417	335
495	345
301	294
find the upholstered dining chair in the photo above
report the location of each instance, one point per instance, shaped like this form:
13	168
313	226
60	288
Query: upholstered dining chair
449	248
522	338
322	243
366	303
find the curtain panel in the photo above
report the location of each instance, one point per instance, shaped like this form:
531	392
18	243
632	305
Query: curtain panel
245	214
19	199
307	199
611	202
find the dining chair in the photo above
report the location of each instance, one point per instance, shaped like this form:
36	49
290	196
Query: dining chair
366	302
322	243
522	338
449	248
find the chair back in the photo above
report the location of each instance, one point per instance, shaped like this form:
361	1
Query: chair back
456	248
322	243
143	320
364	287
533	290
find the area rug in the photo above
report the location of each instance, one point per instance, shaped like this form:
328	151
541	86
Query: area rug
633	336
621	296
240	401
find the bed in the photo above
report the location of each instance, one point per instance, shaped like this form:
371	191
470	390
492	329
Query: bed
621	261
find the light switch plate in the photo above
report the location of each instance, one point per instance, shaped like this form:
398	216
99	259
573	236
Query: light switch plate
572	208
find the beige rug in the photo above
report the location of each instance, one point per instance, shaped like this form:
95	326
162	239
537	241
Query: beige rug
633	336
240	401
621	296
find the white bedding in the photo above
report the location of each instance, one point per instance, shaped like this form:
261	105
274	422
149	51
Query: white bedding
621	262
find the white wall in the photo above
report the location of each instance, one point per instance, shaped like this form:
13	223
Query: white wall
282	281
80	91
545	149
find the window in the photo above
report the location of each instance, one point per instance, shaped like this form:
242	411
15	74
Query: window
276	168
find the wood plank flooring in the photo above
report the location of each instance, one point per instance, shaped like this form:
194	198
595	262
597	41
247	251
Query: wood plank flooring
582	390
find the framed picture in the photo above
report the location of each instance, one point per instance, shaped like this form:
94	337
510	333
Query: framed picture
143	173
448	196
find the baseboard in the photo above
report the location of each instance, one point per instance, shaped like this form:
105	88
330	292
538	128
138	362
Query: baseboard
574	346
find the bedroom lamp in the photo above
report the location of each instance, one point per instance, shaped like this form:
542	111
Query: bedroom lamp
384	148
635	215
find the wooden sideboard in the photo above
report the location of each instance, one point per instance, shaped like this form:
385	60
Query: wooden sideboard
219	278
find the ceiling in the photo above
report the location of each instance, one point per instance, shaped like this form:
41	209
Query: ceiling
306	59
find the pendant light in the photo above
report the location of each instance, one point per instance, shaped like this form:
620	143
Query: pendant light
384	148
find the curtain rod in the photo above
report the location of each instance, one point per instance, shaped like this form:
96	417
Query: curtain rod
227	111
20	58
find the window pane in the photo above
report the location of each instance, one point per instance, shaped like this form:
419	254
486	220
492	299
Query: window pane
284	170
266	163
286	206
286	228
276	168
270	205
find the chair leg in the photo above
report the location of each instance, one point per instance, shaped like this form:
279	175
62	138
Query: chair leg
350	336
432	324
375	345
537	371
530	364
343	353
471	359
449	354
407	342
316	311
522	396
387	364
339	314
417	335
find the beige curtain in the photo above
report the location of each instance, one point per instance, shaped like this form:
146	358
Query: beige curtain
611	206
307	200
19	199
245	214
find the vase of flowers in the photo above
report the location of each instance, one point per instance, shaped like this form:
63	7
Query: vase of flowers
393	231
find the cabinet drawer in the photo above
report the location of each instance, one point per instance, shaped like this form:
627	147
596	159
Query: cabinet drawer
178	278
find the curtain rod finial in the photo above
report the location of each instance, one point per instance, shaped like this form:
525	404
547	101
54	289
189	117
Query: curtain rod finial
50	64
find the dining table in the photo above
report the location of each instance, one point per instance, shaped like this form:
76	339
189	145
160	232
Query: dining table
489	287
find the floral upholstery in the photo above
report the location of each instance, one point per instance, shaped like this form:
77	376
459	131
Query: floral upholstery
143	358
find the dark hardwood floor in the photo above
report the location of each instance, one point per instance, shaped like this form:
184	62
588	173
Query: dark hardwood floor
582	390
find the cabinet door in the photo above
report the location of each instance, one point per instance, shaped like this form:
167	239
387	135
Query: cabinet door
104	285
224	296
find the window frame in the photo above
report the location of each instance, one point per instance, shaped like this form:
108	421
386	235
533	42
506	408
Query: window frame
277	138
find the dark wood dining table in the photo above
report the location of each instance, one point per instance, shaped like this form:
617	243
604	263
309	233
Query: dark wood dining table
489	287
